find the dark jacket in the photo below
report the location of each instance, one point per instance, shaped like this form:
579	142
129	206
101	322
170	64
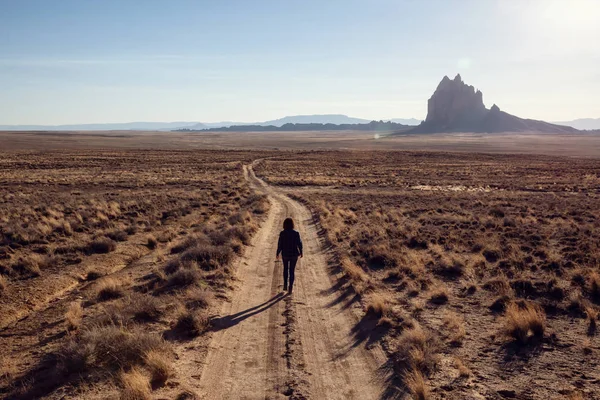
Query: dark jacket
289	244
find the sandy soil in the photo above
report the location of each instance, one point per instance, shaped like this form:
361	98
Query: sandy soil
271	345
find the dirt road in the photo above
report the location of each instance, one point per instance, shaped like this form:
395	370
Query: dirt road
269	345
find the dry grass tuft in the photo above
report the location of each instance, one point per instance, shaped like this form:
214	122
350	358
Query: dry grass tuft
592	316
524	321
75	356
109	289
577	304
188	242
197	297
454	325
500	303
32	264
192	323
353	271
144	307
8	369
134	308
377	306
109	348
73	316
184	277
463	370
136	385
151	242
439	295
416	349
208	257
118	235
102	245
593	286
499	285
450	268
416	385
166	236
160	367
93	275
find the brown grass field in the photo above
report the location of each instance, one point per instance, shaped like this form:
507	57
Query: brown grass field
479	274
476	273
576	145
101	253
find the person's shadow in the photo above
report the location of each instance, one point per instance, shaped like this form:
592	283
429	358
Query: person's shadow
228	321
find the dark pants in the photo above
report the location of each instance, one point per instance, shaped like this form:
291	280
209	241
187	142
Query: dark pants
289	267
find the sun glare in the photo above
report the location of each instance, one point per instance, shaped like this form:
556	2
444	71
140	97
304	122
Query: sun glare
575	14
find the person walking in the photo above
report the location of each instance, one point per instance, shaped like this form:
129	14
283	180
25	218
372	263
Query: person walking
290	247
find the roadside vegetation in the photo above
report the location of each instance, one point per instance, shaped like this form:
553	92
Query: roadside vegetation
476	273
111	261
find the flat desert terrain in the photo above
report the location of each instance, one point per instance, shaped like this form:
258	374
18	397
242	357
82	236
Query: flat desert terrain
141	265
576	145
478	274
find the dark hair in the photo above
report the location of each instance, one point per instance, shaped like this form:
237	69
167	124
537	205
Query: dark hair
288	224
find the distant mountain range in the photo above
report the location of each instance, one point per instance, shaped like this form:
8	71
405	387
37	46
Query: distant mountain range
150	126
337	119
405	121
458	107
582	123
373	126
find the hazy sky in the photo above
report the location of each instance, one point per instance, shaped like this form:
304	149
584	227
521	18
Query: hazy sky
78	61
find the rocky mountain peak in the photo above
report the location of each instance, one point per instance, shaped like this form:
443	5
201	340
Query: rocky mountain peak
455	103
458	107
